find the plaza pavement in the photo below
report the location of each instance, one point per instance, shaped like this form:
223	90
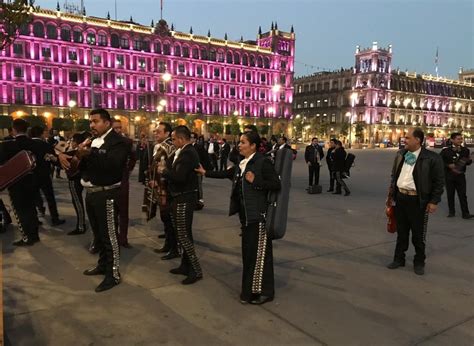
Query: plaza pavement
332	286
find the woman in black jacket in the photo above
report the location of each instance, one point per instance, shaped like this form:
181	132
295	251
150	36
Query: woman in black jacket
252	178
339	168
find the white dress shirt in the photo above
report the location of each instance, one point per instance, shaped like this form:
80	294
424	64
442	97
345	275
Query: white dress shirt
178	151
99	141
405	180
243	163
210	150
282	146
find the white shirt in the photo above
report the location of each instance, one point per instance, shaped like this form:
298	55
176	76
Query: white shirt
211	148
405	180
282	146
178	151
243	163
99	141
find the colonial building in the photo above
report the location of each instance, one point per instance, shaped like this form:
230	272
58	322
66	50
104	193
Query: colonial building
380	103
65	64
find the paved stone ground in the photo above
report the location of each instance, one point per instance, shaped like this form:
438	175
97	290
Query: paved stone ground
332	286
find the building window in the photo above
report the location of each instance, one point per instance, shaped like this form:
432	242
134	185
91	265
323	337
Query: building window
102	40
203	54
216	90
141	82
282	79
166	49
17	49
199	88
195	53
245	60
252	61
114	41
158	47
181	106
305	104
217	72
232	74
47	97
232	91
177	50
181	87
247	93
199	70
162	87
141	63
141	101
90	38
212	55
51	32
261	111
47	74
333	118
161	67
18	72
97	59
120	81
263	78
73	76
46	52
220	57
65	34
199	107
97	78
247	110
137	44
73	96
236	59
185	52
38	29
248	76
77	36
97	100
146	46
283	64
120	60
262	95
181	68
120	102
124	43
19	95
72	54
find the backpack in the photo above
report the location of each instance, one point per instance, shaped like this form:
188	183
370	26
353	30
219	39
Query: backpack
350	158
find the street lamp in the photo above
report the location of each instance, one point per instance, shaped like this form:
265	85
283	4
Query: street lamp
349	115
71	105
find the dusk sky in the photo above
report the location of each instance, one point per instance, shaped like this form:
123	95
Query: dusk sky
327	31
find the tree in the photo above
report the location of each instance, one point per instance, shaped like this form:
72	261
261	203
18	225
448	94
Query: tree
263	129
359	129
216	127
344	129
190	118
234	127
13	16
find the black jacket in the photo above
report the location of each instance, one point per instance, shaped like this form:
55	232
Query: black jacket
330	158
339	160
181	175
428	175
45	155
310	153
225	150
106	165
460	159
203	157
255	195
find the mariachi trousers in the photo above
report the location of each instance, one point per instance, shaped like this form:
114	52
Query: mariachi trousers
75	187
182	210
101	209
24	208
257	259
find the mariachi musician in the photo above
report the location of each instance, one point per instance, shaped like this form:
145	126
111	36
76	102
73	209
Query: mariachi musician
156	191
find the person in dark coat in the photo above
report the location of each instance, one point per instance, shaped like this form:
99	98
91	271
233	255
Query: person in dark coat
205	162
144	154
252	178
224	154
330	163
52	140
45	157
456	157
22	192
313	156
415	191
213	151
339	165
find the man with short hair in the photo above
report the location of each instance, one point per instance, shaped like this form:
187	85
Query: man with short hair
103	161
213	151
456	157
313	156
415	190
330	163
22	192
123	204
224	154
183	186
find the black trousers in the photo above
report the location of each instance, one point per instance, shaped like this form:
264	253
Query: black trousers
223	162
313	170
340	183
213	159
45	185
457	183
170	234
24	209
76	189
410	217
103	217
257	260
5	217
332	178
182	210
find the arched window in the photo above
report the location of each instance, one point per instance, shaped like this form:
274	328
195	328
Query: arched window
25	29
245	60
90	39
252	61
177	50
66	34
38	29
51	31
259	61
266	63
236	59
229	58
77	36
114	41
158	47
212	55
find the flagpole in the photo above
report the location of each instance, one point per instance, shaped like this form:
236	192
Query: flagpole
436	62
161	9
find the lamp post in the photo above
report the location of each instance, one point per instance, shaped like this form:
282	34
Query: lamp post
349	115
354	98
71	105
91	42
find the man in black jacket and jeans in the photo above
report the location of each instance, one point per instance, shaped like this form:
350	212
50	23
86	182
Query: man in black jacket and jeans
330	163
313	156
103	163
416	189
183	187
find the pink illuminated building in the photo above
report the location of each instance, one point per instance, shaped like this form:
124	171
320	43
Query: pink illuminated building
129	68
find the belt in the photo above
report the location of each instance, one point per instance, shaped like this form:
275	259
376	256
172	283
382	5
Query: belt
408	192
101	188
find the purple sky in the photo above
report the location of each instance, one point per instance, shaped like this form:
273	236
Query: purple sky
327	31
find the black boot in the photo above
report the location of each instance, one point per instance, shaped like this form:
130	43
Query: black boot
170	255
107	284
